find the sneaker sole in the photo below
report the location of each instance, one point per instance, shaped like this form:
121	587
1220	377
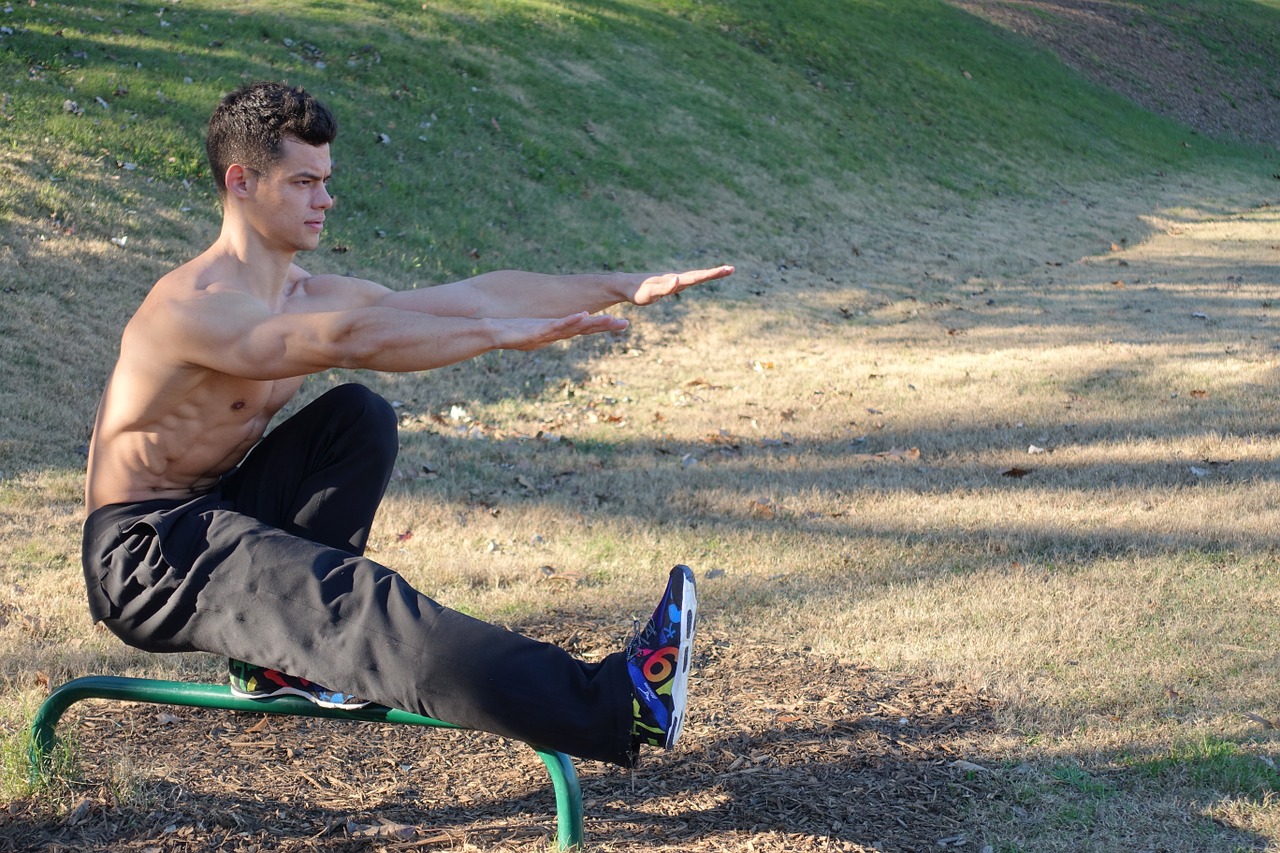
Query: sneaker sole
293	691
680	681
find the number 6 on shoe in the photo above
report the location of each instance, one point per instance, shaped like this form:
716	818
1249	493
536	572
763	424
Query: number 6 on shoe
658	660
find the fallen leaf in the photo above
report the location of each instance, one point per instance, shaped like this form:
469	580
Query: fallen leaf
721	437
79	813
894	454
1263	721
259	726
384	829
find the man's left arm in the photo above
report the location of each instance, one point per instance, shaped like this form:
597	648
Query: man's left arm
513	293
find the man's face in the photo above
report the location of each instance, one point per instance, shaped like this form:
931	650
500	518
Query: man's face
291	197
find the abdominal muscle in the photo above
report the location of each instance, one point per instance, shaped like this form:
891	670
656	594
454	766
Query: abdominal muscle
187	432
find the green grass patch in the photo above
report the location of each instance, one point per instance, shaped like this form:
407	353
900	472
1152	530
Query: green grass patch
1213	763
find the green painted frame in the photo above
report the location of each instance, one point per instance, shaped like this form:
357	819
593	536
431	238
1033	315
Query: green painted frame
564	777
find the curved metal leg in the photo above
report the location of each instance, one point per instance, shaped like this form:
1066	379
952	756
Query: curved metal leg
564	778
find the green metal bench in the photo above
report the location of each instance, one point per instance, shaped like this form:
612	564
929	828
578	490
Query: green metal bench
564	778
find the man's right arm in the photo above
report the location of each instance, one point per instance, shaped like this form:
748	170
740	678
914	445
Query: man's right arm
238	336
514	293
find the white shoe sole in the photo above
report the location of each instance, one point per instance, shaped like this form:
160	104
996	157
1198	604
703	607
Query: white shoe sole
680	681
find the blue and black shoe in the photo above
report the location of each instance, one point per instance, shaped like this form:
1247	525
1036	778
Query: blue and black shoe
658	660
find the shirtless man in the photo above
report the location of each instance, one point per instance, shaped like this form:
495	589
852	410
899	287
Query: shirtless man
206	533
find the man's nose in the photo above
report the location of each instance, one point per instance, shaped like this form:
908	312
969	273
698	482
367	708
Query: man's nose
323	200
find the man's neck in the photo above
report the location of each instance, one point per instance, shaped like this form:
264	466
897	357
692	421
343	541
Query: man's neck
263	269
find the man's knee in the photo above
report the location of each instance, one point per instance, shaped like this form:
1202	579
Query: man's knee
359	403
374	416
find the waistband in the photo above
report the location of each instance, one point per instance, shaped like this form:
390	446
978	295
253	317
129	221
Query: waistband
112	514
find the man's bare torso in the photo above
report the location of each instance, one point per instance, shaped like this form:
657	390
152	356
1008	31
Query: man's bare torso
168	428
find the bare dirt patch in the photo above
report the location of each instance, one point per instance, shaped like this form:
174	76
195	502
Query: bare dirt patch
1156	60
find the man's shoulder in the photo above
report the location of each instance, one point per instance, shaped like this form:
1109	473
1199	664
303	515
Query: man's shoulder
332	292
196	276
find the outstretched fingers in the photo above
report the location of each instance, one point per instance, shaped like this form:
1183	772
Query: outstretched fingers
533	334
655	287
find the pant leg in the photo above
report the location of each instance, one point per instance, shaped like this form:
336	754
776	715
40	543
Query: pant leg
231	585
322	473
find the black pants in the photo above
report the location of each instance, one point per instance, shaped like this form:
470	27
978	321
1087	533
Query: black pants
268	568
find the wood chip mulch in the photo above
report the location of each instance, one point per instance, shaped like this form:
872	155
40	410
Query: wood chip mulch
784	750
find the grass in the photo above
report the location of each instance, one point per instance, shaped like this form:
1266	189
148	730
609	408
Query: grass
924	265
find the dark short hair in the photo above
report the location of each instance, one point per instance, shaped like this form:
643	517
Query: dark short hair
248	125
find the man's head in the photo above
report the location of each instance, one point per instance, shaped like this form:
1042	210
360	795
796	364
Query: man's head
250	123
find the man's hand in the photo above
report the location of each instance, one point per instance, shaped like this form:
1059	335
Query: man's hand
531	334
654	287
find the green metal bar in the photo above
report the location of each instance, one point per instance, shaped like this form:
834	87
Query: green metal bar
564	779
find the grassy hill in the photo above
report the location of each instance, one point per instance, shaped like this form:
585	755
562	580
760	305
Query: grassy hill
465	124
546	136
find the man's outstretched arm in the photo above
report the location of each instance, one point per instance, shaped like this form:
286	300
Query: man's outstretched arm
512	293
240	337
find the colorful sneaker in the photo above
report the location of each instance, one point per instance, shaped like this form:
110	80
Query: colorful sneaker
258	682
658	660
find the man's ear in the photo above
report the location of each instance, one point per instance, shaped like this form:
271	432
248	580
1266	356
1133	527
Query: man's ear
240	181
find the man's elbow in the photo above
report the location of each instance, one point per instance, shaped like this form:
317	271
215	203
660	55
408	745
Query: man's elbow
351	352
